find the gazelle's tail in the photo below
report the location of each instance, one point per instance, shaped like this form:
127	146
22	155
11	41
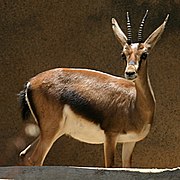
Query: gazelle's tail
25	103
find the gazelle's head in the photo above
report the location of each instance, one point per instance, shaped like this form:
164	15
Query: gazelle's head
135	54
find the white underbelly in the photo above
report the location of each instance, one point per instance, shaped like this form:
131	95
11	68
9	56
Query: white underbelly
89	132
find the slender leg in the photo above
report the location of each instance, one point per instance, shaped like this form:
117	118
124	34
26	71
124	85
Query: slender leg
109	148
36	152
41	150
127	150
51	122
23	156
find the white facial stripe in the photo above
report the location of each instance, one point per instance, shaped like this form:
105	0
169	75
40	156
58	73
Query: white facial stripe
137	65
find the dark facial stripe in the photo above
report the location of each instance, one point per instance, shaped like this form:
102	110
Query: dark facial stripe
140	62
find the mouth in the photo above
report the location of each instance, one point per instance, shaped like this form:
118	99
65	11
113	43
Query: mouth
131	77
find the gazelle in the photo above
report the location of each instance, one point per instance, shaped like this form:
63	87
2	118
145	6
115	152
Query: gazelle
92	106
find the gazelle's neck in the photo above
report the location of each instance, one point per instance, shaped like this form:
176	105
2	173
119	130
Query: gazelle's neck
145	100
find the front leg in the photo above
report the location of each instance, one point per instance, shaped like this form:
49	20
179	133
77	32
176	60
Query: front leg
127	150
109	148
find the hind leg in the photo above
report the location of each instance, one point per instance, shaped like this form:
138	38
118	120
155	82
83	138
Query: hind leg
41	150
35	153
50	131
26	153
49	115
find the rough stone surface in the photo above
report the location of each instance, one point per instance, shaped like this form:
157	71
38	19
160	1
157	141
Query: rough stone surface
40	35
68	173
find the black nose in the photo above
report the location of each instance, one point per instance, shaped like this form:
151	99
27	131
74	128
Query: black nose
130	73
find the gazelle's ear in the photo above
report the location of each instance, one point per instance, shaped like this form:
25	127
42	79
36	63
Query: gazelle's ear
121	37
154	37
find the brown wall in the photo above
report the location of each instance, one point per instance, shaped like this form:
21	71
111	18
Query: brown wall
40	35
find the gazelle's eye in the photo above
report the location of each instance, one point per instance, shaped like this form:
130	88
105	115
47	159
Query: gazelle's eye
123	56
144	55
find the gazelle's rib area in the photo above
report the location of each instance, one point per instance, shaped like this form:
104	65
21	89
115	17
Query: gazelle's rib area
89	132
